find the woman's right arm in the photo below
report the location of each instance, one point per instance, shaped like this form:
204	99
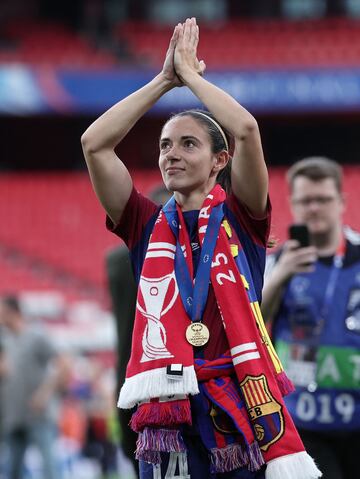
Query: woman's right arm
110	178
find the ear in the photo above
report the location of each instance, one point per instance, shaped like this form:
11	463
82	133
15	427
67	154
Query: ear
221	160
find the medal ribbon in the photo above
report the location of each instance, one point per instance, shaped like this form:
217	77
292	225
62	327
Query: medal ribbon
193	293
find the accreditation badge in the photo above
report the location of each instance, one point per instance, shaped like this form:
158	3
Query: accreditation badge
299	361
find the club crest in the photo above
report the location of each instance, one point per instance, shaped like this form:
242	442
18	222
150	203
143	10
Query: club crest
265	412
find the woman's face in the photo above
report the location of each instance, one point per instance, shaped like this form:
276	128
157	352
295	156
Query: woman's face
186	160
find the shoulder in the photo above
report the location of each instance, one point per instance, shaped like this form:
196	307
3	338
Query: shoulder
257	229
137	207
138	213
352	255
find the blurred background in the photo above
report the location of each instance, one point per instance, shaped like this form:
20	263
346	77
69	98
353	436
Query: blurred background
295	64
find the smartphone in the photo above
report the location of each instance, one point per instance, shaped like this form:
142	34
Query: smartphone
300	232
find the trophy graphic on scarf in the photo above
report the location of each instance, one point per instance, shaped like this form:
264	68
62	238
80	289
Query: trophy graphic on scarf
154	292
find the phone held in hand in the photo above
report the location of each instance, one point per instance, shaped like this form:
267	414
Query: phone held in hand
300	232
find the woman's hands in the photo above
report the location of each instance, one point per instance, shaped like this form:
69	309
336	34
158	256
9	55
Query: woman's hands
168	70
185	57
181	56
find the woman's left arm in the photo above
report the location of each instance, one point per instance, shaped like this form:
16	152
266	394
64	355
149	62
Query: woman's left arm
249	176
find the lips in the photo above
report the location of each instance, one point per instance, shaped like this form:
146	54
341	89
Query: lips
173	170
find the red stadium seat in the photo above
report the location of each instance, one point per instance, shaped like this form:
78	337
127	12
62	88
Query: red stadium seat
260	43
55	235
54	221
51	44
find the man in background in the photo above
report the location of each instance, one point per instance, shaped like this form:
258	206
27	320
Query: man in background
32	374
123	292
311	299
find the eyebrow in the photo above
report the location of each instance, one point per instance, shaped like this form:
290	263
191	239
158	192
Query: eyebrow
184	137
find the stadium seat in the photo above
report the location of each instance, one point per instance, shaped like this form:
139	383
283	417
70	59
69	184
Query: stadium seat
51	44
255	43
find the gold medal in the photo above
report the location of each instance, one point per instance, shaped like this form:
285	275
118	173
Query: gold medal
197	334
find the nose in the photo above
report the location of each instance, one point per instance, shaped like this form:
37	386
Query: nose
314	205
172	154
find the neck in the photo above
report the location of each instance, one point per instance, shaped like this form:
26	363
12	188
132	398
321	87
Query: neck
193	200
328	243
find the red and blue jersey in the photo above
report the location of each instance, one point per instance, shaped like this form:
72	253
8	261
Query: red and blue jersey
137	223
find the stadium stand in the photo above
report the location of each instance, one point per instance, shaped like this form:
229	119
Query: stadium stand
51	44
53	239
234	44
255	43
55	236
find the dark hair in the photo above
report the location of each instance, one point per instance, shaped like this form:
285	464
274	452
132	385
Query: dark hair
316	168
11	302
216	138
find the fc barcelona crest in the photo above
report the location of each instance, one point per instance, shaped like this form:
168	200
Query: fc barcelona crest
265	412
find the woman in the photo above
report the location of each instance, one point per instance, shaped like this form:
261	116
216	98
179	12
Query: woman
207	385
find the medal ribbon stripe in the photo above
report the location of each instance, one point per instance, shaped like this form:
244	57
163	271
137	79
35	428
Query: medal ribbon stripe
194	291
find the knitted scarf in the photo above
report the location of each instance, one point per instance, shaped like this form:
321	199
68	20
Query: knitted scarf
161	372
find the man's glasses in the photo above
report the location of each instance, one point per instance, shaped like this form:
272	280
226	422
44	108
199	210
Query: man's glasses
319	200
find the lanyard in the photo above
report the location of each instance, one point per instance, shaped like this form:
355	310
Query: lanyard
194	293
314	331
337	264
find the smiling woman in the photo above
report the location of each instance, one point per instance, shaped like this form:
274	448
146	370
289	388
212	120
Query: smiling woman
207	386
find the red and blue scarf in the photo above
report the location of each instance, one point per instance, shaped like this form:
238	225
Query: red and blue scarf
248	384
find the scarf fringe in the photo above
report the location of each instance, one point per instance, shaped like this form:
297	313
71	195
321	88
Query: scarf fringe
235	456
151	442
256	458
167	414
285	384
155	383
297	466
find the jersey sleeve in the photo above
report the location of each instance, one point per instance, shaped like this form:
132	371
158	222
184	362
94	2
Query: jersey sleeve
253	234
135	217
258	229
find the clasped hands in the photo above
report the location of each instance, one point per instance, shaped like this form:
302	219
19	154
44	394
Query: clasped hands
181	57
